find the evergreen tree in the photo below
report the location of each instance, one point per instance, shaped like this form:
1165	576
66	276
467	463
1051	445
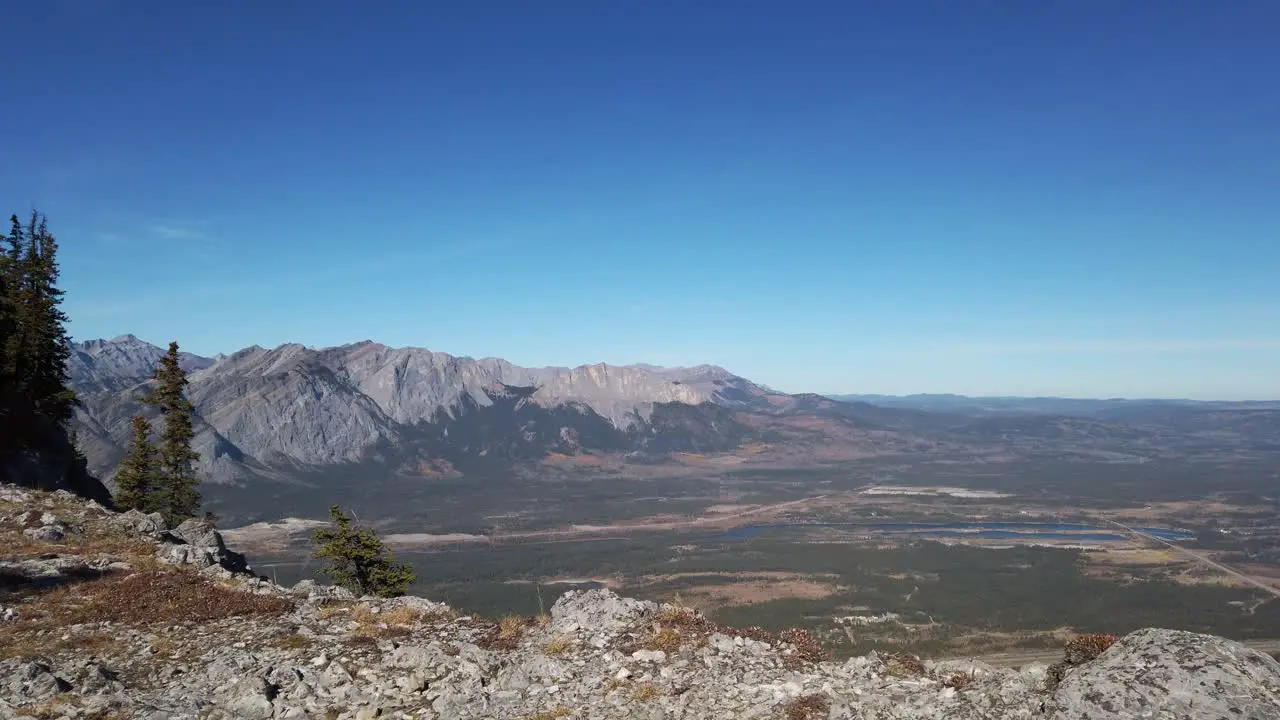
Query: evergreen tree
177	494
358	561
36	401
7	329
15	281
49	348
136	478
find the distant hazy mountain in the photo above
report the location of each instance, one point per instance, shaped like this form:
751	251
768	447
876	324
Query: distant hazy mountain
1115	408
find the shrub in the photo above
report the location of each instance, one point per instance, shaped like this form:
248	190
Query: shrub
1084	648
806	707
358	561
904	665
807	647
506	635
959	680
665	639
558	646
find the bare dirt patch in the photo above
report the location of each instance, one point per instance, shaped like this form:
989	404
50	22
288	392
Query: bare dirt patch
746	588
754	592
271	537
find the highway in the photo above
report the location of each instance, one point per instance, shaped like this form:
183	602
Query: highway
1201	559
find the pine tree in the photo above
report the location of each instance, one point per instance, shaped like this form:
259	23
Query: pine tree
49	348
36	400
177	493
15	280
7	328
136	478
358	561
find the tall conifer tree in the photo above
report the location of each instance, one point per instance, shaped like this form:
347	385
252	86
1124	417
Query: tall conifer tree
136	478
49	345
177	491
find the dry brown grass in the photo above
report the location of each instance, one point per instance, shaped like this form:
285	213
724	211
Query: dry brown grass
506	634
554	713
106	714
807	647
397	622
806	707
163	646
646	692
1084	648
364	615
94	541
615	683
150	598
959	680
330	610
55	707
403	615
294	642
25	641
666	639
904	665
558	645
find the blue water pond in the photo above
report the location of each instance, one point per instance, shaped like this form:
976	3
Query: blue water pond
989	530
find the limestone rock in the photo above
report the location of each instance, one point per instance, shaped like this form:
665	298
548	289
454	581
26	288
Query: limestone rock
1155	673
325	653
143	523
46	533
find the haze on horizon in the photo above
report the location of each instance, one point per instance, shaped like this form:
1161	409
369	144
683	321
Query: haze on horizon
1074	200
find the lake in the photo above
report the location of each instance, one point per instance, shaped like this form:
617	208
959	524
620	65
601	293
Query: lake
989	530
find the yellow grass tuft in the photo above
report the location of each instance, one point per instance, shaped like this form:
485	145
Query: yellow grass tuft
646	692
559	645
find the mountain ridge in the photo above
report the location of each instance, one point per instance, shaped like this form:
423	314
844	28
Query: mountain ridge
294	406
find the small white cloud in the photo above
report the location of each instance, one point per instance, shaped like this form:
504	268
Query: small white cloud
175	232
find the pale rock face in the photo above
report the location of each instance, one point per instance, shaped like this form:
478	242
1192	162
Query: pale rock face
120	363
1167	673
295	406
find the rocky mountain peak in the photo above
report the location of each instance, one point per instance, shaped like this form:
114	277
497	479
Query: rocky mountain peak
293	405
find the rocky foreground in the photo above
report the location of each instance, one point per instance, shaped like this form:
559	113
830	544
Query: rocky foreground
112	616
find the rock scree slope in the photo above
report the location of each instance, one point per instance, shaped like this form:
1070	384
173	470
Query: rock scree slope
108	616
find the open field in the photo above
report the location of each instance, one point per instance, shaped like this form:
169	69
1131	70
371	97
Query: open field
943	558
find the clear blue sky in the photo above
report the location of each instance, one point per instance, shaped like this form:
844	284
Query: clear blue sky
1074	198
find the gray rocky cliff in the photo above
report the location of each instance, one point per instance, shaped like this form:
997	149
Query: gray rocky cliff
293	406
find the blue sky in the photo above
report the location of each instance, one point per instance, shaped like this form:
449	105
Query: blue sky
1069	198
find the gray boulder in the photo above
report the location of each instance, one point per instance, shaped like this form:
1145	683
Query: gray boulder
200	533
186	555
1156	673
203	547
46	533
321	594
599	610
143	523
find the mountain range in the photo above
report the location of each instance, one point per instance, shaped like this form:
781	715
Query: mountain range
270	411
1115	408
277	413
